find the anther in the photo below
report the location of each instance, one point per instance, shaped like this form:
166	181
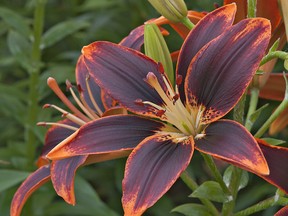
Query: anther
175	98
139	102
68	84
160	113
45	106
80	90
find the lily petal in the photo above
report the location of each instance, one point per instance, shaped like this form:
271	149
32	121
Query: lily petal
82	74
135	39
53	137
231	142
282	212
63	174
277	159
280	123
151	169
121	72
221	71
105	135
274	89
32	183
208	28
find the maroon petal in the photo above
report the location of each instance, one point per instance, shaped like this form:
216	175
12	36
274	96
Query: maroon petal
108	134
221	71
208	28
53	137
135	39
32	183
230	141
152	168
62	176
81	75
282	212
277	159
121	72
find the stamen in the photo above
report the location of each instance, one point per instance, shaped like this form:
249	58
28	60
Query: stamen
99	111
68	115
56	89
139	102
92	112
160	68
57	124
153	105
159	113
78	101
199	136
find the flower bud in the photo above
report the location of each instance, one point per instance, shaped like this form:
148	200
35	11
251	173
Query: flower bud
173	10
156	48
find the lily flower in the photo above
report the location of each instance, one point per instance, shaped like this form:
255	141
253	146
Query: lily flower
95	104
282	212
272	12
217	62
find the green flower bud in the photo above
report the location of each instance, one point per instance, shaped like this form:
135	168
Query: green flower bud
173	10
156	48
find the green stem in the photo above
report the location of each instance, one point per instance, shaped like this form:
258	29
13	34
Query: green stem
228	207
275	114
275	54
272	201
34	81
193	186
254	93
251	4
187	22
217	175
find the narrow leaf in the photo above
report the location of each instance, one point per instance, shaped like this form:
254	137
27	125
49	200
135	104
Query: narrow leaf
210	190
191	209
228	175
273	141
9	178
62	30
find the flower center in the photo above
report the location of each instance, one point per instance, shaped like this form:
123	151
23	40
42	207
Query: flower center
186	118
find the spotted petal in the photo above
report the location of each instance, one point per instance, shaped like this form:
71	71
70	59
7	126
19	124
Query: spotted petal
151	169
32	183
108	134
208	28
230	141
121	72
221	71
63	174
277	159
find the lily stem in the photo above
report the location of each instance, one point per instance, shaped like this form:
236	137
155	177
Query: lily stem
254	93
34	81
187	22
283	105
186	178
217	175
275	54
272	201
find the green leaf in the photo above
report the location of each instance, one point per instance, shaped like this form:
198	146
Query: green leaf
9	178
228	175
94	5
62	30
15	21
275	46
20	48
255	115
88	203
273	141
210	190
191	209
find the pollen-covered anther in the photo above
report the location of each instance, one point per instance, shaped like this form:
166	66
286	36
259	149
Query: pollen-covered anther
45	106
175	98
68	84
139	102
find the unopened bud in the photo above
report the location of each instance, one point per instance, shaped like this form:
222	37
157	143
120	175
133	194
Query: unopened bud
156	48
173	10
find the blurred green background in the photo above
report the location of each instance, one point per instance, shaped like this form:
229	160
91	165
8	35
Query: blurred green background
25	65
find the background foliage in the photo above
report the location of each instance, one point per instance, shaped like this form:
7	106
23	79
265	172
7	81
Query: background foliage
28	56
